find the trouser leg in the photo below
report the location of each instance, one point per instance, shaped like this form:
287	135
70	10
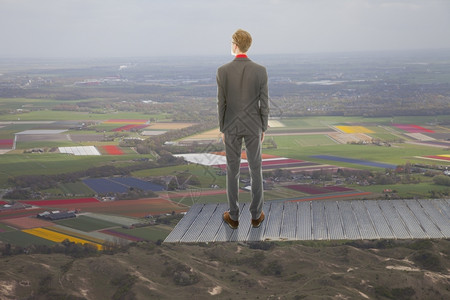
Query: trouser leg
233	149
253	149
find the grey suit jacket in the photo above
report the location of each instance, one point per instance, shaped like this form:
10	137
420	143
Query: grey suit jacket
242	97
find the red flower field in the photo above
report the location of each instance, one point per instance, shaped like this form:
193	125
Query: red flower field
439	157
112	150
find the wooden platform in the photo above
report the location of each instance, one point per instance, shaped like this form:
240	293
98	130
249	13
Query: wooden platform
319	220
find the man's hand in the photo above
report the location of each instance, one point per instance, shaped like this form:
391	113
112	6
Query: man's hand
223	137
262	136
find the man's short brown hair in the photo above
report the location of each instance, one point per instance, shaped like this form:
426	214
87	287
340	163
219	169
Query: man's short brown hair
242	39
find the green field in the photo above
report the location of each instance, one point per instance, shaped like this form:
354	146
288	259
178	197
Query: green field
418	190
310	140
74	188
398	154
150	233
52	115
51	163
5	228
86	224
206	175
23	239
299	146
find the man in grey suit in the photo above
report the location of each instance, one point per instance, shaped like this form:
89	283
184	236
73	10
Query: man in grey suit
243	107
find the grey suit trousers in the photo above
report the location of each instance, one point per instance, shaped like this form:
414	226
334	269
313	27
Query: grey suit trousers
233	149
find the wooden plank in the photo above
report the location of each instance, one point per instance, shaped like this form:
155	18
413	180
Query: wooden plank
439	219
274	221
425	223
257	234
334	223
289	221
365	223
349	222
409	219
245	222
319	221
304	221
197	226
184	224
380	223
209	232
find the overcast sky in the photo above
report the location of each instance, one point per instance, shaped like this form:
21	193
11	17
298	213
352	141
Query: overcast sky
136	28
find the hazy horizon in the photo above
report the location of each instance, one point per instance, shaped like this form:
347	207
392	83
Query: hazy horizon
137	28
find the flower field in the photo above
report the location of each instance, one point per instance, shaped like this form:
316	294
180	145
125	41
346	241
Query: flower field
354	129
120	184
411	128
6	143
244	155
269	162
130	127
356	161
58	237
169	125
213	134
76	234
112	150
274	164
346	138
444	157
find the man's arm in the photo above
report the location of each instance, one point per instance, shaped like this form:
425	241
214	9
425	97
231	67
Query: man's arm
264	102
221	102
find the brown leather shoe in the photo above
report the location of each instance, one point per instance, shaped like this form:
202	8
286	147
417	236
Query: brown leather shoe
256	223
232	223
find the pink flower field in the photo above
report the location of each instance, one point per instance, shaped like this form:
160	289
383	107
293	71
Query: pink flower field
130	127
411	128
6	143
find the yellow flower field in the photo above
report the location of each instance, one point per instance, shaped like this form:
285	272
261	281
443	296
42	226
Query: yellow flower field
354	129
58	237
76	234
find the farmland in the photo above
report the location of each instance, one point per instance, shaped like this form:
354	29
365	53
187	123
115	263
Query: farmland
313	146
373	120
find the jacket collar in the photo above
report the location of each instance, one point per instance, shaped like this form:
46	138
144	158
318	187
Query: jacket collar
241	58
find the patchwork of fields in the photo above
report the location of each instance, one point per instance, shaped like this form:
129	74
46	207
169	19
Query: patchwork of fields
302	145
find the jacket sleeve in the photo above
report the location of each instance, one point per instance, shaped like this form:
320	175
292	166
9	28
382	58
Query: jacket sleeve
264	101
221	101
